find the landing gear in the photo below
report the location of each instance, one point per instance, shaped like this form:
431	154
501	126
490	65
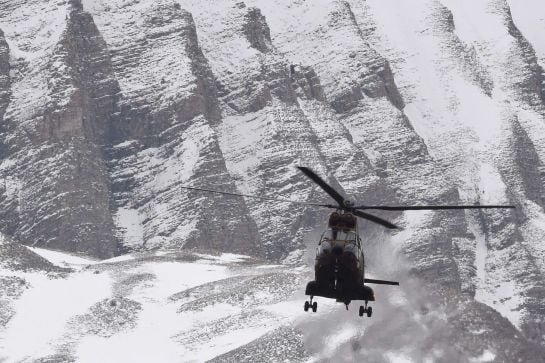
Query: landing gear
311	305
366	310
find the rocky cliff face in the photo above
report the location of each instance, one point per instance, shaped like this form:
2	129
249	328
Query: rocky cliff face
108	107
57	192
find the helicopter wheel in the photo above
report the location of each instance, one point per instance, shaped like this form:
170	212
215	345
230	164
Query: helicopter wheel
362	310
314	307
369	311
307	305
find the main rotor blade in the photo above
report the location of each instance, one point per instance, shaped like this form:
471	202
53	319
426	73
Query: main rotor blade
375	219
326	187
257	197
381	282
430	207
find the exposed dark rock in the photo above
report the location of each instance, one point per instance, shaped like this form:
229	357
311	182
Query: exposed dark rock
8	186
521	164
57	358
11	287
256	30
283	344
107	317
463	55
15	257
5	82
375	78
533	81
245	292
477	326
308	83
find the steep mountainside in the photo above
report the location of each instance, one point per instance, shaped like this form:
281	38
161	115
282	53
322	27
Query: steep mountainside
108	107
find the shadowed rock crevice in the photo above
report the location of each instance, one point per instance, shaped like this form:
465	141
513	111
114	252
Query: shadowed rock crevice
464	56
307	83
375	78
62	184
521	166
166	100
8	186
533	82
5	82
206	90
521	169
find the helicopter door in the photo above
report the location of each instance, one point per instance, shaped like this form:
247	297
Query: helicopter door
361	257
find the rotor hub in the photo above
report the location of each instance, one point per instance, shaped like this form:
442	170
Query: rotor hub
348	204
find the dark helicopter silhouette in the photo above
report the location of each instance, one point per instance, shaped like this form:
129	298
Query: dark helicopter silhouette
340	265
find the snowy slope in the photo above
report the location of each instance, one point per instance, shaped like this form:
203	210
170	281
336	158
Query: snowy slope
160	307
182	307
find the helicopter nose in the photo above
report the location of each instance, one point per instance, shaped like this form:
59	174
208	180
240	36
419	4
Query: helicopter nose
337	250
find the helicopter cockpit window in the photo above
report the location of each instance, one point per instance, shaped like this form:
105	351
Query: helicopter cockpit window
339	235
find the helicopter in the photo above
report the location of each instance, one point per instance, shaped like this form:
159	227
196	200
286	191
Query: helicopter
339	269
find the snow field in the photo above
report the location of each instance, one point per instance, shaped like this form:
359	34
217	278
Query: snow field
162	333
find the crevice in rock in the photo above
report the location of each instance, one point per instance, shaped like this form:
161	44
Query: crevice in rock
533	84
380	80
5	83
206	83
8	186
520	162
465	56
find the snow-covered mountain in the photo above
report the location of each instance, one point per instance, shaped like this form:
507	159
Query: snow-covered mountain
108	107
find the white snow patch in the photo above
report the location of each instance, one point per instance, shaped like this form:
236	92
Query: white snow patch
487	356
224	257
395	357
44	309
417	218
173	277
154	338
120	258
343	336
268	266
130	222
291	310
63	259
125	144
492	188
504	297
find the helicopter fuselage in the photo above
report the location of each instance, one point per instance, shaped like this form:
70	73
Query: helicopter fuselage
340	265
